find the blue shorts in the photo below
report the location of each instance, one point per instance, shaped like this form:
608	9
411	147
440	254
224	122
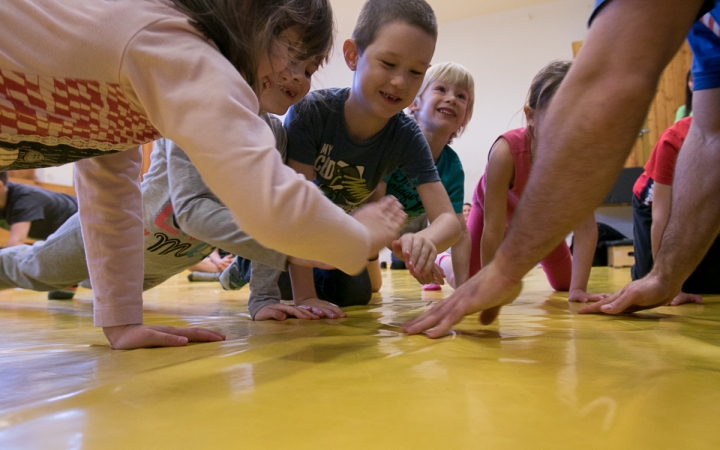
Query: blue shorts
705	44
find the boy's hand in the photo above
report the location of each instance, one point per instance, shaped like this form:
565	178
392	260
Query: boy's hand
581	296
418	252
487	291
281	312
383	220
645	293
320	308
128	337
309	263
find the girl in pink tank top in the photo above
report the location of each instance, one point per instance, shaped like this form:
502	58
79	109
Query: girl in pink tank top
499	190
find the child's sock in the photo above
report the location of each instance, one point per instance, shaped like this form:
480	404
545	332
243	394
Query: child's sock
234	276
203	276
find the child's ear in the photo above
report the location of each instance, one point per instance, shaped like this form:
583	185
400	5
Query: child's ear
414	106
350	51
529	115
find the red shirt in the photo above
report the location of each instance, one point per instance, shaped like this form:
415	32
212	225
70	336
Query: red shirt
661	165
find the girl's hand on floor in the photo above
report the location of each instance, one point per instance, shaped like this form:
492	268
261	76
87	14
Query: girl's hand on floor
320	308
418	252
281	312
579	295
128	337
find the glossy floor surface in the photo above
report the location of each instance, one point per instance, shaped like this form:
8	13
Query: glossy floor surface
542	377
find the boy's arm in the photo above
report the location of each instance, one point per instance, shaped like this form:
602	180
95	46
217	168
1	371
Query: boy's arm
500	173
660	214
200	214
586	237
420	249
18	233
302	279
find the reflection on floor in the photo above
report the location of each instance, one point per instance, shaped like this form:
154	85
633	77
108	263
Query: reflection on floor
542	377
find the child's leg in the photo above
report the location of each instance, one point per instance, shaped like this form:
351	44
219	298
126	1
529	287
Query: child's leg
444	260
335	286
558	267
642	244
475	224
264	288
56	263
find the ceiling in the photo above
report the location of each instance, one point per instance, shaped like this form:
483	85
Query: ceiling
445	10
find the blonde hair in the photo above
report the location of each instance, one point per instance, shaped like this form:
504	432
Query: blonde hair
456	75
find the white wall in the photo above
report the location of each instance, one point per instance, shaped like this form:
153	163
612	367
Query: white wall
503	51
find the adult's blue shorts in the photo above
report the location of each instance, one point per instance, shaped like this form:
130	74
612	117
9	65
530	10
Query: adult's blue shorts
704	39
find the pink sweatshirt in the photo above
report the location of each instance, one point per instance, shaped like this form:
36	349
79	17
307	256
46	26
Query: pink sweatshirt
109	75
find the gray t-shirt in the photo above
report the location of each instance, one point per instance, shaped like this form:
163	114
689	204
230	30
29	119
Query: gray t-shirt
346	170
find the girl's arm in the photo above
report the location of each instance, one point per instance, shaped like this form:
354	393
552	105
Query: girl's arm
110	209
461	253
586	237
660	214
500	174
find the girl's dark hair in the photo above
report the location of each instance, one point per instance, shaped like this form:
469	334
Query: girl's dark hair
546	83
244	29
688	94
375	14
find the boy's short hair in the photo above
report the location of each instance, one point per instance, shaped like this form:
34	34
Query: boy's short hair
4	177
455	75
375	14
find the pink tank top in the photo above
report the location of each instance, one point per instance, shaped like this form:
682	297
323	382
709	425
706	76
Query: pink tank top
519	144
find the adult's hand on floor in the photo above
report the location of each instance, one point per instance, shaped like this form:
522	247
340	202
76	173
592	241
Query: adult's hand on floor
128	337
486	292
320	308
684	297
645	293
581	296
281	312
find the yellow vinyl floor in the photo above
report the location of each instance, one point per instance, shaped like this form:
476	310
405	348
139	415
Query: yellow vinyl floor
542	377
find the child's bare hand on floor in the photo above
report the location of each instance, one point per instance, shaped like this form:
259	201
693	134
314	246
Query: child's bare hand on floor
281	312
418	252
128	337
320	308
435	276
581	296
383	220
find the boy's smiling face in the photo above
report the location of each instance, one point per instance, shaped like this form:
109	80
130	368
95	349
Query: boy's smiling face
389	73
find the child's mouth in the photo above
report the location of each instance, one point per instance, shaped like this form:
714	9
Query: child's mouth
389	97
447	112
288	92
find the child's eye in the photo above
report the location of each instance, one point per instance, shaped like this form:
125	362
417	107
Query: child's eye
387	64
440	88
462	97
417	73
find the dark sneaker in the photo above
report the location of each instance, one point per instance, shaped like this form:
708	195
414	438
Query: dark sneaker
203	276
62	294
